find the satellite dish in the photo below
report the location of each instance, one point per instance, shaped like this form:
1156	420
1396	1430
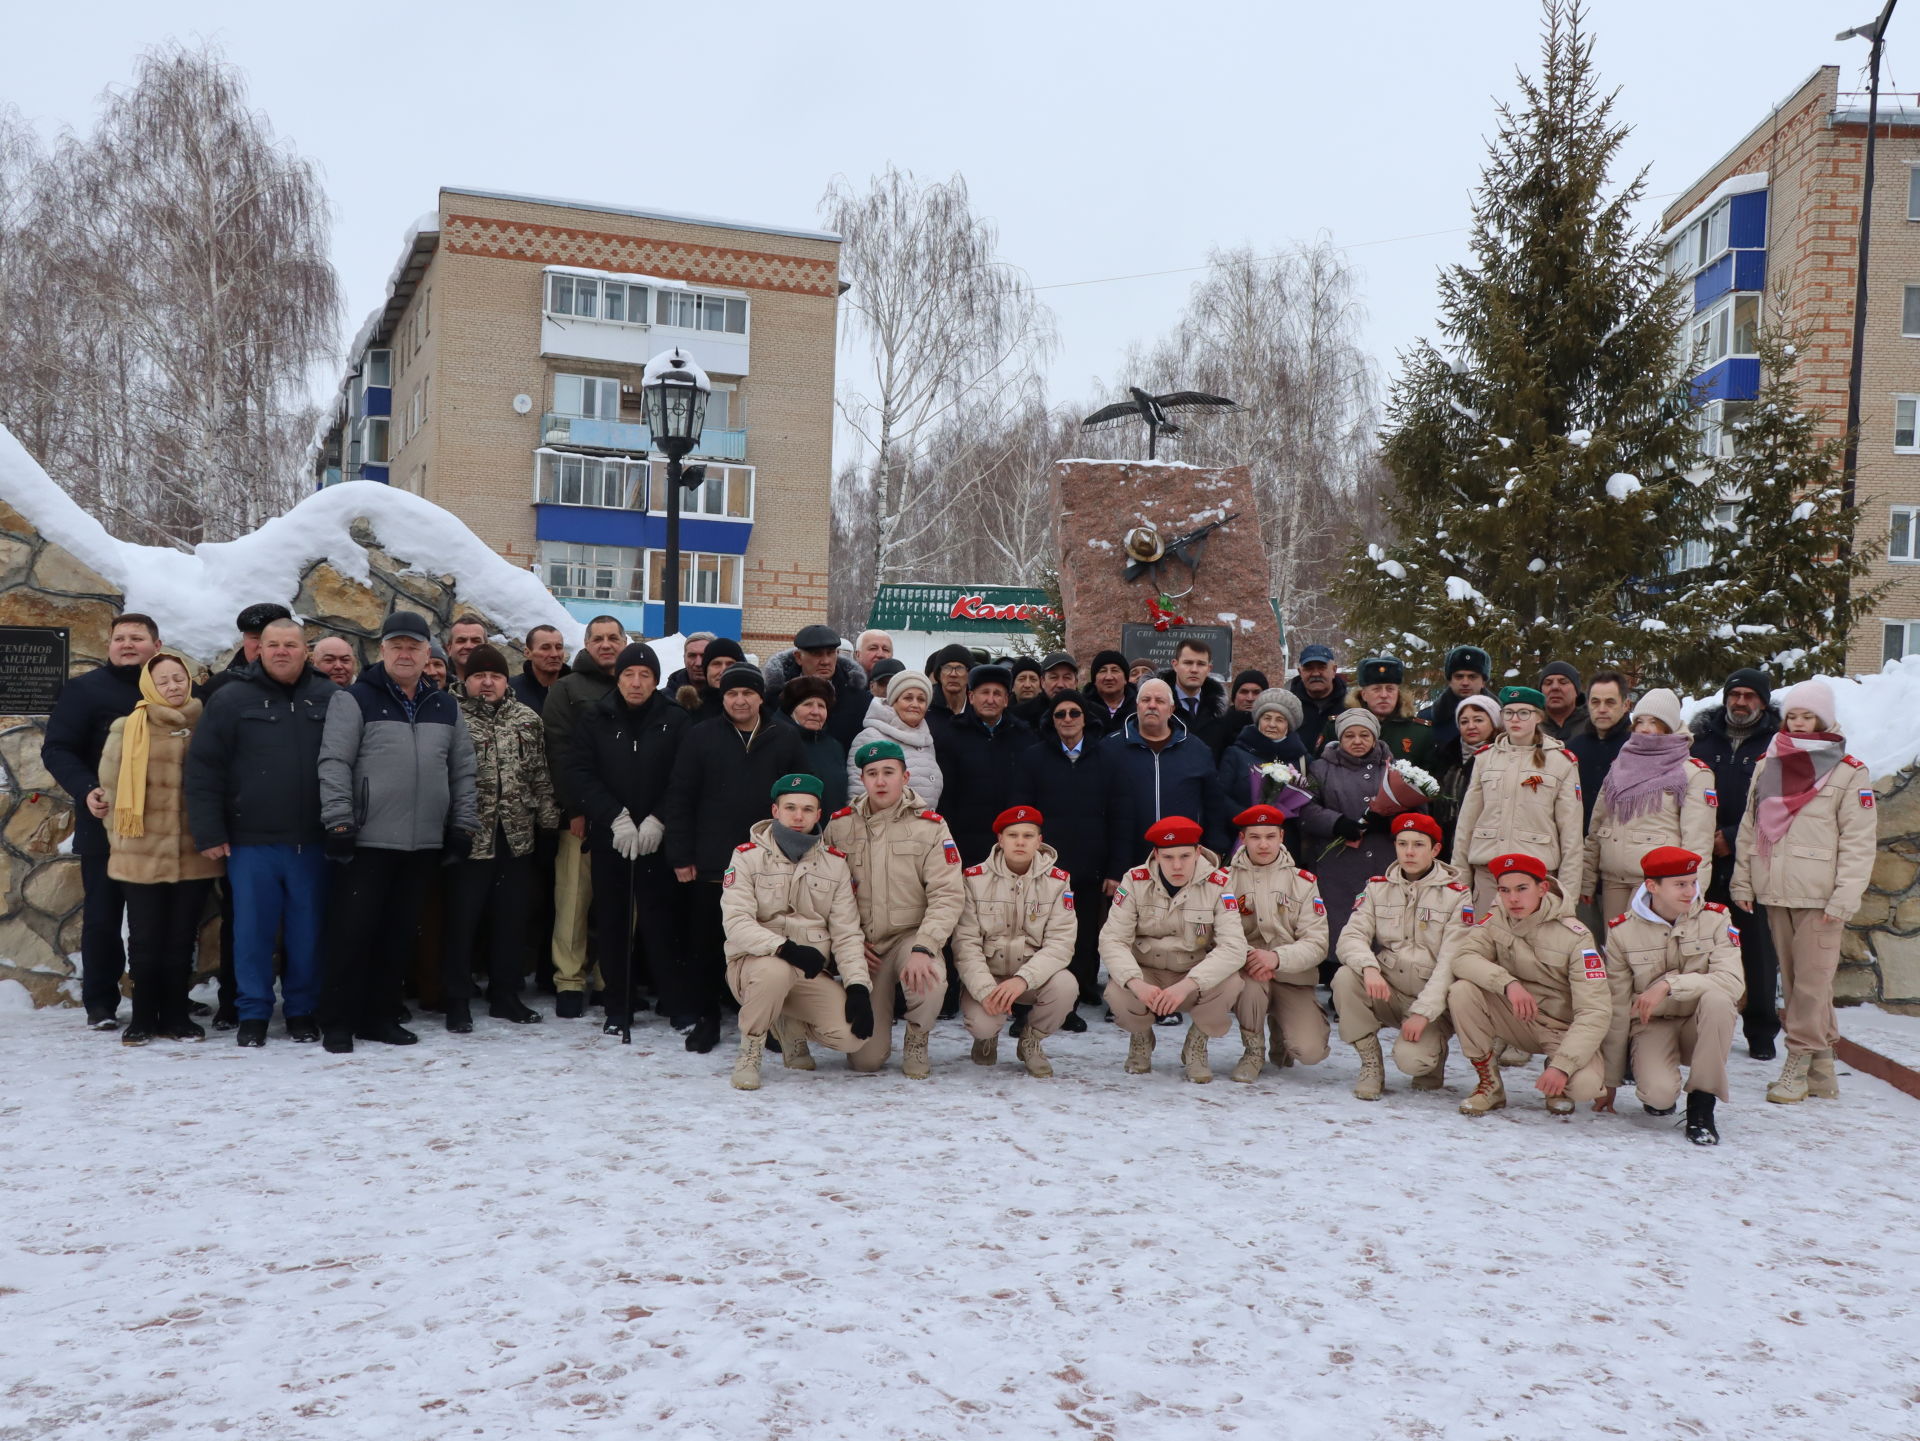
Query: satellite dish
522	404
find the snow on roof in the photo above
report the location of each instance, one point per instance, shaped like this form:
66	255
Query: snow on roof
1732	185
193	596
683	218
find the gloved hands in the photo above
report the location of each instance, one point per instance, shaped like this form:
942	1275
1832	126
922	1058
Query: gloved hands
455	846
1349	829
626	837
860	1012
339	843
653	830
804	959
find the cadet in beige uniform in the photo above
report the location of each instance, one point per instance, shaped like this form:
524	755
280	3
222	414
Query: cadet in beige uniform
1389	953
1655	794
1805	852
786	905
1285	923
1682	959
1529	975
1173	943
1525	799
1014	941
906	875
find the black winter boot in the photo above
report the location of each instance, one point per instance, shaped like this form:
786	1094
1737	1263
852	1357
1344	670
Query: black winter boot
251	1033
391	1034
459	1018
1700	1128
570	1005
705	1035
303	1028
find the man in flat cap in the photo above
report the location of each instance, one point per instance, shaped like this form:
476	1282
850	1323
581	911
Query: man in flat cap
1014	941
1681	955
794	954
906	873
1173	943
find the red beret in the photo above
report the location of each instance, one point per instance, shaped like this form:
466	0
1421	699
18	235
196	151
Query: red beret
1173	831
1260	816
1664	861
1017	816
1415	821
1526	865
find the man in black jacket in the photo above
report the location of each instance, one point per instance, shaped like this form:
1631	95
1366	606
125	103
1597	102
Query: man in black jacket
76	735
1730	737
1199	700
624	750
253	799
1064	776
1609	723
977	751
572	694
718	792
1322	693
816	653
545	664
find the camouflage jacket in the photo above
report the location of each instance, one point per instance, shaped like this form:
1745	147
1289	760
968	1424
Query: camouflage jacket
510	773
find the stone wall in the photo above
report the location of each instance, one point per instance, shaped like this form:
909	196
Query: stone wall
1880	954
41	584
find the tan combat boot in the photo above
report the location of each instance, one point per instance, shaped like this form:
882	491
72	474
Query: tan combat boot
1282	1057
746	1065
1791	1088
1822	1084
1193	1055
793	1047
1512	1055
1139	1053
913	1054
1433	1080
1373	1072
1032	1057
1253	1055
987	1052
1490	1094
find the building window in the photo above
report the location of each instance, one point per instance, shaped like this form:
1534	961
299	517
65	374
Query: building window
1901	638
379	368
1910	309
591	397
591	299
1903	535
726	494
692	311
591	572
606	481
704	579
1903	424
1913	192
1719	423
373	449
1692	554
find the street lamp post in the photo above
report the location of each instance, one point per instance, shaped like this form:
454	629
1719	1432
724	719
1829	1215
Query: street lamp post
675	390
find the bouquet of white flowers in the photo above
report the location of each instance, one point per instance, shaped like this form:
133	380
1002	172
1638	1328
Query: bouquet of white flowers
1285	787
1404	788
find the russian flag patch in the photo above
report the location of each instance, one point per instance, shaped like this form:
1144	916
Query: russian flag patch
1713	799
1866	800
953	852
1230	903
1066	899
1319	906
1733	934
1596	967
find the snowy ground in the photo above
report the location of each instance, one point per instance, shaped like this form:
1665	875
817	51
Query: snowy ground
537	1233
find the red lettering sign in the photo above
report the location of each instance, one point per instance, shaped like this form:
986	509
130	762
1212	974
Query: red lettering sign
976	607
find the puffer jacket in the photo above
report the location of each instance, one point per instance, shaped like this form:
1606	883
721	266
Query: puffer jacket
1514	806
513	789
916	743
767	900
1281	911
165	853
1014	925
1698	953
1195	932
851	691
1824	860
1614	847
1555	959
906	870
1401	926
253	774
402	783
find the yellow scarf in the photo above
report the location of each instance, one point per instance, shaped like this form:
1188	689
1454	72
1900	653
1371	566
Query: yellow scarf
130	795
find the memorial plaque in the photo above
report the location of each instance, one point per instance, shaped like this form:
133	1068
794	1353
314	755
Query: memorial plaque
33	667
1143	642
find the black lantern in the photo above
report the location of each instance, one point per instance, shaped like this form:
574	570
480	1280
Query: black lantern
675	390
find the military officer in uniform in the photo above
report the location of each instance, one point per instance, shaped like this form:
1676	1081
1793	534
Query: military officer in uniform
795	957
1530	975
1682	958
1172	943
1014	941
1285	923
1389	951
906	874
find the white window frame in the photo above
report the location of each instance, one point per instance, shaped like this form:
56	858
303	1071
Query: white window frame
1909	633
600	384
694	565
1907	295
596	482
599	316
695	503
626	564
383	358
1913	190
1903	533
1912	447
368	426
699	300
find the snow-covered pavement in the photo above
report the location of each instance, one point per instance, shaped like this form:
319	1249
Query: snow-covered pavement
537	1233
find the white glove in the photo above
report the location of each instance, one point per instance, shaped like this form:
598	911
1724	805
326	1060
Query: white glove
626	836
653	830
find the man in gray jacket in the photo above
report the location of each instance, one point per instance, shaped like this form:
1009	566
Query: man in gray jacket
396	797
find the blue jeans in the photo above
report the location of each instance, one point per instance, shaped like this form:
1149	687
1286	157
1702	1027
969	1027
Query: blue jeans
279	892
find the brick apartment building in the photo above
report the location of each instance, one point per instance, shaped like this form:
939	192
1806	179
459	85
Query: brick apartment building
500	377
1769	236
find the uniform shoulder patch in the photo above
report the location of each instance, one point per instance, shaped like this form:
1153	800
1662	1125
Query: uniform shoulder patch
976	870
1696	761
1619	920
1849	761
836	851
1059	875
1372	879
931	816
1571	924
1140	873
1219	878
1310	877
1596	967
1455	886
1713	906
749	846
842	812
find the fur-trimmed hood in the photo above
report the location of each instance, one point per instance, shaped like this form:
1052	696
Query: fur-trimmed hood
1712	720
784	665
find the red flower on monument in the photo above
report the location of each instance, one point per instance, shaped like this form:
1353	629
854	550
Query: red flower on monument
1160	615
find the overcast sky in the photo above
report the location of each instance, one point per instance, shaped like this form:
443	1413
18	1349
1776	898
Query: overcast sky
1103	140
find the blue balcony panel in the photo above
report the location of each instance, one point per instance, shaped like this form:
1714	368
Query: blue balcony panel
1736	378
374	472
1749	270
1712	283
1747	221
377	400
595	525
648	619
635	439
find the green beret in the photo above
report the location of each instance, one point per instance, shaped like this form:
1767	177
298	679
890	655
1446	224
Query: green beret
878	751
799	783
1523	695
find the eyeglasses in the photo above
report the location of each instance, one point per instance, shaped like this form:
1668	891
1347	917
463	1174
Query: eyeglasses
1068	714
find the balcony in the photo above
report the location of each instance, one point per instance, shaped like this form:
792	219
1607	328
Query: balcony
575	337
630	438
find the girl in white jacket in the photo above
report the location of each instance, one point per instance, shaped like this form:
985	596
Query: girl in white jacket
902	718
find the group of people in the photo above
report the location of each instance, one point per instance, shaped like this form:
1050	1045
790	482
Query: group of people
833	837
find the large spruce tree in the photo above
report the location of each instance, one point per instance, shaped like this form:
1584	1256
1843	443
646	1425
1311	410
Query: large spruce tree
1539	453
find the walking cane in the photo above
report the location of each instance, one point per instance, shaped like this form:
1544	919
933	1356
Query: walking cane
626	1029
